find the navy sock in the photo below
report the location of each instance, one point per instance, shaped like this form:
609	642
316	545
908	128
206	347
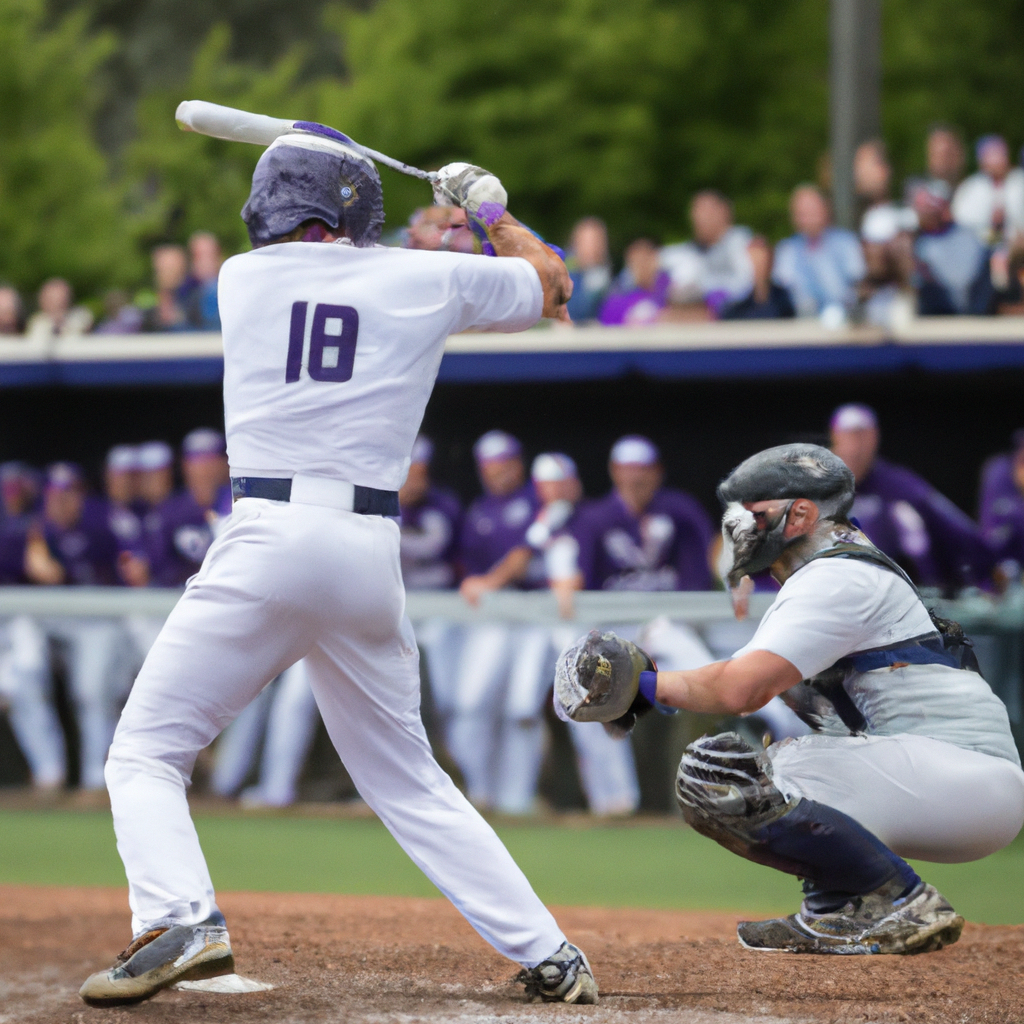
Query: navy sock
836	854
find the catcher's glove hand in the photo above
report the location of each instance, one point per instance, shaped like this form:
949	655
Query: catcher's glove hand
598	680
477	191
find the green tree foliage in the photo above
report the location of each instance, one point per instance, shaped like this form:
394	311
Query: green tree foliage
184	182
617	107
59	212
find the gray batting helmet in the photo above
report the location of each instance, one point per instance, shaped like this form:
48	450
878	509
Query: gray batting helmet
304	177
793	471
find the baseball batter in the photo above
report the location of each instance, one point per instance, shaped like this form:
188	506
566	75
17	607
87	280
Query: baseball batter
911	754
330	354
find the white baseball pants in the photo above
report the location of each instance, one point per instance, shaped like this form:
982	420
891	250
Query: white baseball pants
286	581
924	798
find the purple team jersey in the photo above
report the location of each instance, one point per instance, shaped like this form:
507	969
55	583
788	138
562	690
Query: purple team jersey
665	548
13	537
896	527
88	550
493	527
430	540
178	537
961	557
1001	508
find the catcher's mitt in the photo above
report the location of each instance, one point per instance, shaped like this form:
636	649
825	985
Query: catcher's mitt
597	680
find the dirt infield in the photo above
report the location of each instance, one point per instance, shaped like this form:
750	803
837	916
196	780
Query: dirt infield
368	959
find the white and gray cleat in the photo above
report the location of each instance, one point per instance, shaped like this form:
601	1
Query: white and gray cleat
159	959
565	977
919	922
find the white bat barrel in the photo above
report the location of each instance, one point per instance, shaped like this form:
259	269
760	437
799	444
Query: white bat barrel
228	123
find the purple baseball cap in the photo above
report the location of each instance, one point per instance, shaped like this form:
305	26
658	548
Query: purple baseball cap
634	450
422	450
203	443
553	466
495	445
155	455
12	472
64	476
987	142
854	416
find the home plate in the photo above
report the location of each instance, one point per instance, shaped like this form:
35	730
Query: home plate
226	984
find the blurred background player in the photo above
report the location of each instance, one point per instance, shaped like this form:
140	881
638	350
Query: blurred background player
26	688
431	524
937	543
74	545
1001	509
494	554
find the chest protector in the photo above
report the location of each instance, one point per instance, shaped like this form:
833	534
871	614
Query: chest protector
825	696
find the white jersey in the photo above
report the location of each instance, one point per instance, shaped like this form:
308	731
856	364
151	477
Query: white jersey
331	351
834	607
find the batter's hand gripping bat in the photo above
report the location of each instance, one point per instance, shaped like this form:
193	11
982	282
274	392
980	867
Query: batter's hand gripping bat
242	126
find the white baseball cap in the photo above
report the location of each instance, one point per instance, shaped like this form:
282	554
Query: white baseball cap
422	450
853	417
552	467
636	450
123	458
496	444
155	455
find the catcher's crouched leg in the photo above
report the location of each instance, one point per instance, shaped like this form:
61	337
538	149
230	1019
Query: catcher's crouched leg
860	897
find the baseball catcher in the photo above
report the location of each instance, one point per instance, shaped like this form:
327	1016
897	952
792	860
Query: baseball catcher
911	753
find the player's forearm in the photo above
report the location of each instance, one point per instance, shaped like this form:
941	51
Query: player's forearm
510	238
733	687
511	569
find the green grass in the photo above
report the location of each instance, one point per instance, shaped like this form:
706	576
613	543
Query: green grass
633	864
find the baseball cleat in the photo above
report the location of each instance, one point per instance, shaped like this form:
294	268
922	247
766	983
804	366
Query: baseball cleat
922	921
158	959
565	977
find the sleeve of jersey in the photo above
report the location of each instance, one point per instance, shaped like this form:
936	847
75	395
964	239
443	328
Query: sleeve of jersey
816	620
499	294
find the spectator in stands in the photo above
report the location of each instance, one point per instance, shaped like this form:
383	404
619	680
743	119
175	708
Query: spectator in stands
439	228
766	300
904	515
199	292
944	155
1009	296
642	535
951	272
820	265
120	316
56	316
1001	508
644	302
589	267
12	318
714	269
170	270
991	202
883	219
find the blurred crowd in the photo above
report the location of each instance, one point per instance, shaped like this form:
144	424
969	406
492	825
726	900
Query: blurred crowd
531	528
948	244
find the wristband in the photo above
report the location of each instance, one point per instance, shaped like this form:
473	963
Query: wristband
649	688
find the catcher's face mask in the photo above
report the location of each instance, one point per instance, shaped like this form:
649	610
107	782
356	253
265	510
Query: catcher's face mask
753	540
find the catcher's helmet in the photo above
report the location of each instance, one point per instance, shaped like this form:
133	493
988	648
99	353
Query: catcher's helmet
303	176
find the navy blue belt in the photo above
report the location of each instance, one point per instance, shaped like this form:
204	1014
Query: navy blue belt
367	501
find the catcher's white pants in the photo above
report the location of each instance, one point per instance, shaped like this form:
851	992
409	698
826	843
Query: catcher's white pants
26	688
923	798
286	581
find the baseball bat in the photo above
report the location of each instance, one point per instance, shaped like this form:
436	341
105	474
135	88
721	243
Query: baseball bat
242	126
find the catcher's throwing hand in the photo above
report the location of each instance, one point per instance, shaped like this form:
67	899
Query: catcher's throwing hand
598	680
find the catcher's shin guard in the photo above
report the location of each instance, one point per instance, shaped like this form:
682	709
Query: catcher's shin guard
161	958
726	792
565	977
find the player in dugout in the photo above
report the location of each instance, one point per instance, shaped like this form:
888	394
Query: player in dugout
911	753
331	348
